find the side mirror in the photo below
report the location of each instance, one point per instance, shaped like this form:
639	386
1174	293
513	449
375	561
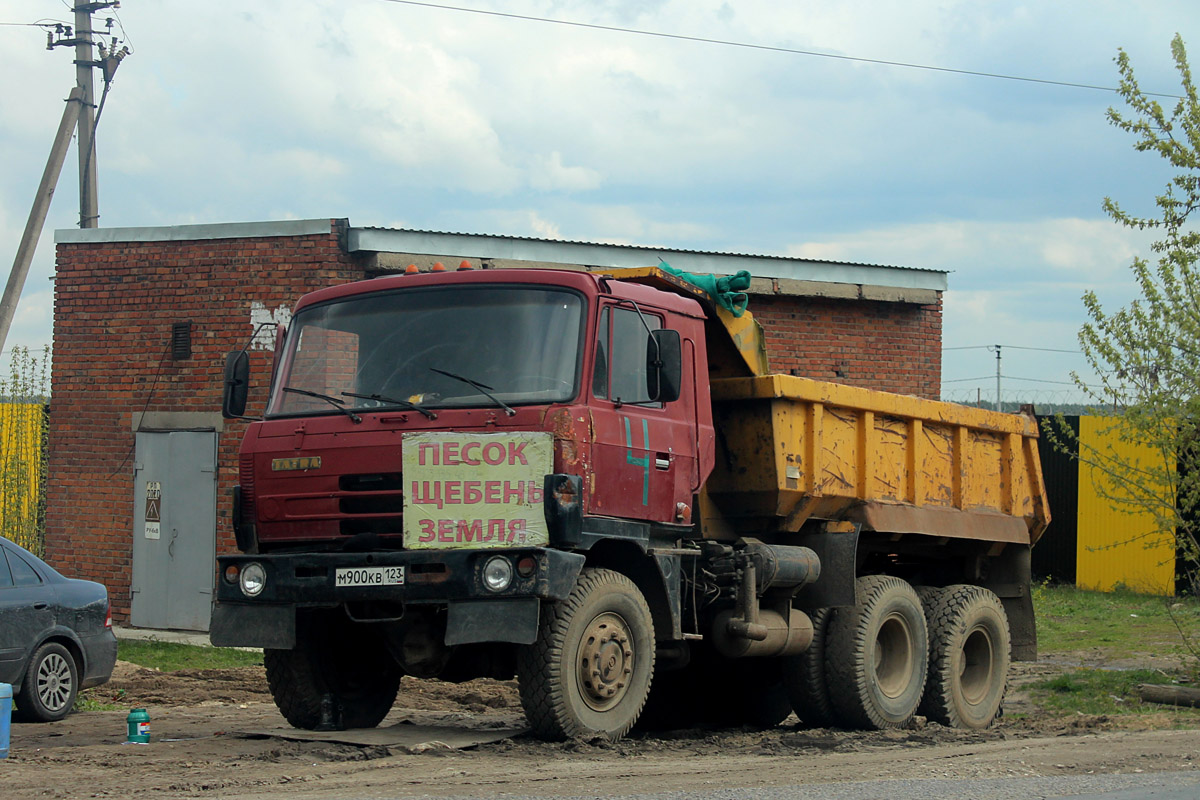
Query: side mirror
664	365
237	384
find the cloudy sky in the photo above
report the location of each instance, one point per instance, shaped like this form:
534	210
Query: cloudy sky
394	114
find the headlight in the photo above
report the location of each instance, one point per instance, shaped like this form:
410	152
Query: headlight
253	579
497	574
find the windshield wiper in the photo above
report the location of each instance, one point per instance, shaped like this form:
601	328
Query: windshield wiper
379	398
340	405
483	387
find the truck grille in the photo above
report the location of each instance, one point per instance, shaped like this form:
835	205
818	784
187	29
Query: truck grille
373	503
246	481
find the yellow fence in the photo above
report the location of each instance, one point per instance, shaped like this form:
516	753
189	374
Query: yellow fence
1120	545
22	450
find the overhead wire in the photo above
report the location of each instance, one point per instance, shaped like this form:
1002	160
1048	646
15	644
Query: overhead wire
766	47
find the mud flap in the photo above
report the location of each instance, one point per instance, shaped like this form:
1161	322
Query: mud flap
511	620
236	625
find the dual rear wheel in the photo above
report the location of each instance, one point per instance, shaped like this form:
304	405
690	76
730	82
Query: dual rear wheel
899	651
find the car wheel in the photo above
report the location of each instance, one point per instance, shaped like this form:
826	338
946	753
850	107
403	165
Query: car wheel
50	686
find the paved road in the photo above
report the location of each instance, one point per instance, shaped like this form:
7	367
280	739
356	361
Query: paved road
1147	786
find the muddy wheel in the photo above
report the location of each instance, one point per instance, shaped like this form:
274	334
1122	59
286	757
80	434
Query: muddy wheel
876	653
969	645
589	672
50	686
805	681
335	660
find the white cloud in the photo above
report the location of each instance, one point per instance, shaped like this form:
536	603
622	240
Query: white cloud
543	228
547	173
992	252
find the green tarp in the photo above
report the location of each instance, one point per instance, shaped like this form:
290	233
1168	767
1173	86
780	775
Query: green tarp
729	292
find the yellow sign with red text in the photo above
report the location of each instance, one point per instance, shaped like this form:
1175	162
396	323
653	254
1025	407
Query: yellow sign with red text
475	490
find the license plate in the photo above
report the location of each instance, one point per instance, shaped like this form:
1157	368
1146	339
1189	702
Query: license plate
369	576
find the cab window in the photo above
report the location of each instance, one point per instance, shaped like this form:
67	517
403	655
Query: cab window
620	366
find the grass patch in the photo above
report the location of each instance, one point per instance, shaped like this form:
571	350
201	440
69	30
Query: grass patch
98	698
1106	692
1119	624
171	656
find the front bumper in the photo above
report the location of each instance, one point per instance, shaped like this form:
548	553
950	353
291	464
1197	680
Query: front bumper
444	577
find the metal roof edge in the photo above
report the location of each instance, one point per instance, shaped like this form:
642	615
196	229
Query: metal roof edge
174	233
601	255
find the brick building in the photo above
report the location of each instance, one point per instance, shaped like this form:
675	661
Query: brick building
141	462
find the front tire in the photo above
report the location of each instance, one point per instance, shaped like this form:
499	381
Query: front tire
333	659
968	656
50	686
589	672
876	655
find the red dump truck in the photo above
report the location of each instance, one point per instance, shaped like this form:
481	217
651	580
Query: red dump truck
592	482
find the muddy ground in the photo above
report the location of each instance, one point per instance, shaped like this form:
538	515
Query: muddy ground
208	741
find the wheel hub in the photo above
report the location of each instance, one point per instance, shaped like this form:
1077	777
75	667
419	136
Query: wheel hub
894	657
54	682
605	661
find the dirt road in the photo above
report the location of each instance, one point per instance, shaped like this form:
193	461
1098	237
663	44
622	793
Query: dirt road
201	723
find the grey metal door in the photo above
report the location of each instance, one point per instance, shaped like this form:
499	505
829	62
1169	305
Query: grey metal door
174	529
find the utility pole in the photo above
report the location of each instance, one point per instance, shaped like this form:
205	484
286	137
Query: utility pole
37	214
78	114
999	406
85	62
89	201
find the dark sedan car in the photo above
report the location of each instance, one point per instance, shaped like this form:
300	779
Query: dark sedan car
56	635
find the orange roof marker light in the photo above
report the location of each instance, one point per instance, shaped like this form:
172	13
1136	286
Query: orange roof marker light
465	265
411	269
438	267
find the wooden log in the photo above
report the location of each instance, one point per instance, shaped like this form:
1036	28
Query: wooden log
1169	695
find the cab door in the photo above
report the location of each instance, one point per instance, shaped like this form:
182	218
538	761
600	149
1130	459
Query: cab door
644	453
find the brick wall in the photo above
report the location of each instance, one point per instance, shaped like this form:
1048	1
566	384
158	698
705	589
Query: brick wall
115	304
114	307
893	347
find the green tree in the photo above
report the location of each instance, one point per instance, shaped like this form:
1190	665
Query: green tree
1147	354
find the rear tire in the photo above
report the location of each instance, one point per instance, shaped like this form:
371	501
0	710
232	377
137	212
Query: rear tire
876	655
335	659
51	685
805	681
969	654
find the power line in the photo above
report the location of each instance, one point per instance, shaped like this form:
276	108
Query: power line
770	48
1008	378
1042	349
1038	380
1013	347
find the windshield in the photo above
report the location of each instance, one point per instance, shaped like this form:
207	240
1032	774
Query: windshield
467	346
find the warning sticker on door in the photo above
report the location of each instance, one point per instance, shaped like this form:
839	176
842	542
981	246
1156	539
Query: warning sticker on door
153	508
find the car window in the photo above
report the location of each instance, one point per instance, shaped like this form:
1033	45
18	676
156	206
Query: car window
22	573
5	576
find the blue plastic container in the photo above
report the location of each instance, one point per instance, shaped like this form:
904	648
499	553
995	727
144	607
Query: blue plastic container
5	717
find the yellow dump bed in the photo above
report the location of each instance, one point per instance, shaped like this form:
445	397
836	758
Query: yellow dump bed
790	449
793	449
